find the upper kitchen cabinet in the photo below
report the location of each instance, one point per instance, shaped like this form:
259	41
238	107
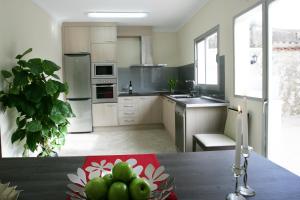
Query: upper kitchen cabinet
99	39
76	39
103	53
104	34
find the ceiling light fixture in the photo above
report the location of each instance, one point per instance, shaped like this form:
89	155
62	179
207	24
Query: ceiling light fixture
117	14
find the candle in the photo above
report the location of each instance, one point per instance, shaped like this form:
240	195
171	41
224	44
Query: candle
238	139
245	123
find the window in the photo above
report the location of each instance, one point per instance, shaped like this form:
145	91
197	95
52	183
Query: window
248	56
206	53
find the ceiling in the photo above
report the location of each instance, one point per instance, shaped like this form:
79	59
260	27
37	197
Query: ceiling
164	15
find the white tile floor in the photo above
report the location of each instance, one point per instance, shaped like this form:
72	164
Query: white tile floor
110	141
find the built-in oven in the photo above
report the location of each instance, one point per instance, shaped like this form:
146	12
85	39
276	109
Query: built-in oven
104	90
104	70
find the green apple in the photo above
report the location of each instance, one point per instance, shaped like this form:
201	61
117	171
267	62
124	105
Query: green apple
96	189
108	179
139	189
118	191
133	176
122	171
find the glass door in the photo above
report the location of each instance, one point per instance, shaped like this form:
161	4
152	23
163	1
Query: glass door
284	84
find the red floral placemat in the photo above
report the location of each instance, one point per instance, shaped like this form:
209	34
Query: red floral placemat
144	165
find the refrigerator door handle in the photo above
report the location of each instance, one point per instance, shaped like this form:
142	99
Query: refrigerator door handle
78	99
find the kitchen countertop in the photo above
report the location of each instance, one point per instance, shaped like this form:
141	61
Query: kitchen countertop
195	102
198	102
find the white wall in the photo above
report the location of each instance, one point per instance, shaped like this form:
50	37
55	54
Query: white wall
221	12
23	25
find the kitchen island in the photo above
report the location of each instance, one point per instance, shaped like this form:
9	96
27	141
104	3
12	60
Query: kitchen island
200	175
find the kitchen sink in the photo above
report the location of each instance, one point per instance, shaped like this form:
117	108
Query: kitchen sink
181	96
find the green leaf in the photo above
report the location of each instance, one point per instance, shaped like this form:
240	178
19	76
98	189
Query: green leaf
26	108
64	88
61	108
52	87
50	67
35	66
21	78
34	126
6	74
55	76
22	123
58	119
14	90
34	93
32	141
22	55
18	135
23	64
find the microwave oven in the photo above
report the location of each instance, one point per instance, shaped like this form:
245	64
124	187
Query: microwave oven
104	70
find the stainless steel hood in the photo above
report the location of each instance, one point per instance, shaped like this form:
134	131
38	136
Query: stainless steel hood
147	54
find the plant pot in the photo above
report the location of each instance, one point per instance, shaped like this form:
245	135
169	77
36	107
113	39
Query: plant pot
53	154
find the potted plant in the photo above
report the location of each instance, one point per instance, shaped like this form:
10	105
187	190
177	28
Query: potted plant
33	89
172	83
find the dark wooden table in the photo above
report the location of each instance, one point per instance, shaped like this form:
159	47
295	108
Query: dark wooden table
198	176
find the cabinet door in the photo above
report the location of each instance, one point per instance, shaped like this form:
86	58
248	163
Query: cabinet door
105	114
104	34
172	127
156	109
145	110
165	111
104	53
76	39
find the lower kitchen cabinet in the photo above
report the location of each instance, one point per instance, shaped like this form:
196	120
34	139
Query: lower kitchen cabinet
105	114
169	116
140	110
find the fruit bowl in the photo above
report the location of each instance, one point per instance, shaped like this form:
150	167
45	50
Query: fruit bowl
161	183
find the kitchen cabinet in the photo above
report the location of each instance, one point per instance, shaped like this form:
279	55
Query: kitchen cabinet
169	116
128	111
103	53
76	39
140	110
104	34
149	108
105	114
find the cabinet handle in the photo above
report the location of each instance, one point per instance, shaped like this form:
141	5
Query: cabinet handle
129	113
129	120
128	106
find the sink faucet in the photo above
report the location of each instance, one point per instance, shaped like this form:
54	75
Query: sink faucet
191	84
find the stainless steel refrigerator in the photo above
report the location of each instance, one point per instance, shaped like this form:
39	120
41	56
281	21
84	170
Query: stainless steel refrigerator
77	73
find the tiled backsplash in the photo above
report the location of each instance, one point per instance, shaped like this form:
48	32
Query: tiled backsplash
146	79
152	79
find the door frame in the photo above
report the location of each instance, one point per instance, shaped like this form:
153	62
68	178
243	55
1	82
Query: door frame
265	76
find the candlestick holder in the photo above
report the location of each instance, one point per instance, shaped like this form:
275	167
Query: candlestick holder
245	189
237	172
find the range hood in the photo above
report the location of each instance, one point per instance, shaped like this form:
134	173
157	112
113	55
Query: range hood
146	54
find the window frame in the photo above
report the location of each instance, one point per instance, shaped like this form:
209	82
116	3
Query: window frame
201	38
264	50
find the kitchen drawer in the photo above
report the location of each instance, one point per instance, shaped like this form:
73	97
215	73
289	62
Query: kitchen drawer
126	100
128	107
128	121
128	113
